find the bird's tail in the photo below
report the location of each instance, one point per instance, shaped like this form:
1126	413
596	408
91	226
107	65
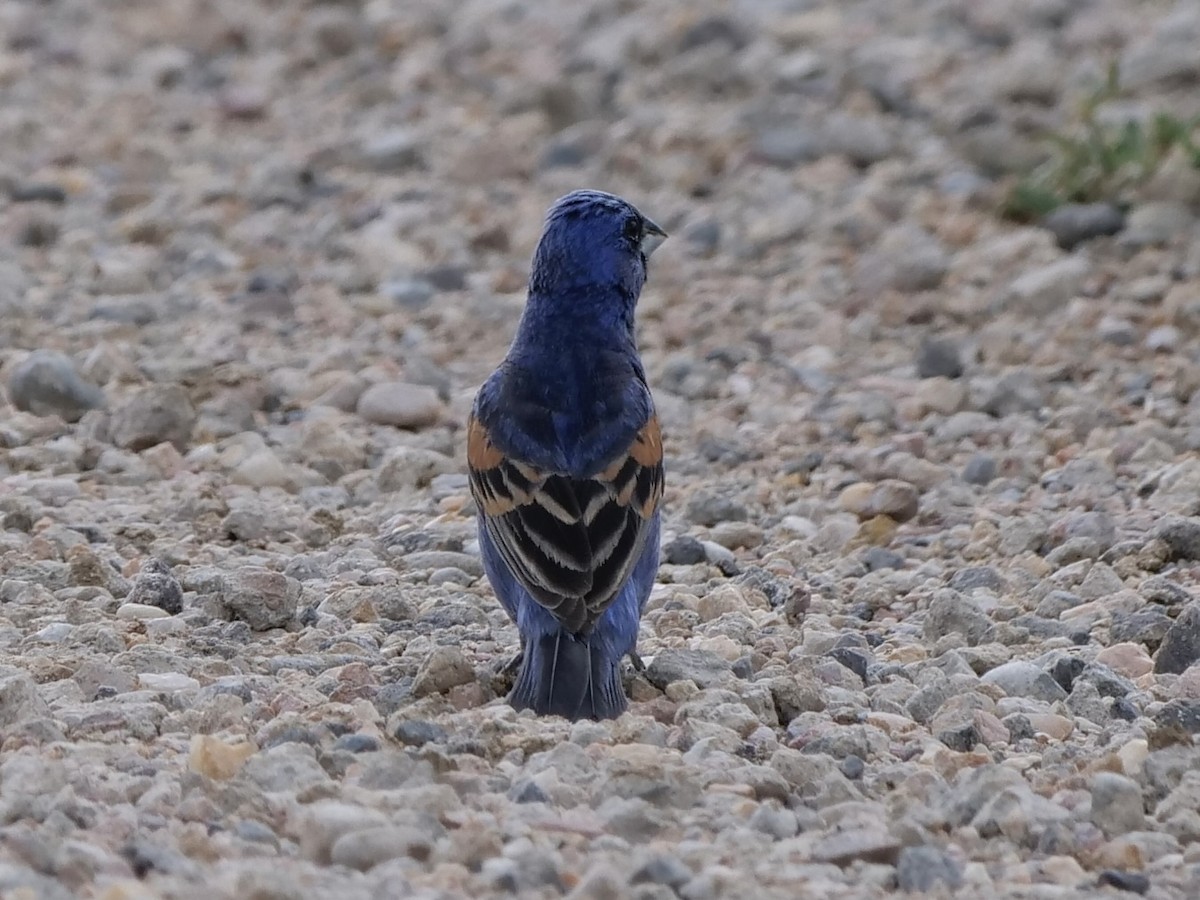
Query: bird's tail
573	677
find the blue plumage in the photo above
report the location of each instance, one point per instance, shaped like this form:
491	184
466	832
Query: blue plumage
565	457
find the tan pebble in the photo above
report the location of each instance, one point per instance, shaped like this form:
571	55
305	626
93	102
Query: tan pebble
891	723
1133	756
1052	725
877	531
722	645
1130	659
214	758
1062	870
903	653
990	728
856	497
1120	853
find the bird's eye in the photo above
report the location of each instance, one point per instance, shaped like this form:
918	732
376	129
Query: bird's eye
632	229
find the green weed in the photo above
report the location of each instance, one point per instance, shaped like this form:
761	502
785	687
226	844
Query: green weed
1093	161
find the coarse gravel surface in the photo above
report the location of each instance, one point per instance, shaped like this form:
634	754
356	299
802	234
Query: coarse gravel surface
928	619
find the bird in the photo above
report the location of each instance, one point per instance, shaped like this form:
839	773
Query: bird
565	462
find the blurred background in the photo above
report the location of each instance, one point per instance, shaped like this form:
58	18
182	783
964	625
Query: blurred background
350	178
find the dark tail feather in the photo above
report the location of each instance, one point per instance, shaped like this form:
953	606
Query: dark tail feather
565	676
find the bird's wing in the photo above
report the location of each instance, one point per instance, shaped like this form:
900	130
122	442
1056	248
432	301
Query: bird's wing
571	542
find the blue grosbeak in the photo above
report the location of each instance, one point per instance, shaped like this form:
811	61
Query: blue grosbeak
565	459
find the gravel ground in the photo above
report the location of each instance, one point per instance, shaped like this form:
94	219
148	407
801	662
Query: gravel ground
928	618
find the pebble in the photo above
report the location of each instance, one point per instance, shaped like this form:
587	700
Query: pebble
1024	679
939	358
1116	804
401	405
923	869
1180	648
1073	223
154	415
259	597
47	383
1041	290
155	585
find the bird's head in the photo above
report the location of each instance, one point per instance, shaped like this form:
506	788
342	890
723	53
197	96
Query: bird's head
593	242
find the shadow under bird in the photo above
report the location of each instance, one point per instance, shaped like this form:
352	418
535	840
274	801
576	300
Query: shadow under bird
566	461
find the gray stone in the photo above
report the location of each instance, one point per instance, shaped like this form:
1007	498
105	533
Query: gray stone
1074	223
1024	679
939	357
922	869
154	415
684	550
703	667
1180	647
155	585
1147	626
952	613
1117	806
19	698
1158	222
408	293
1045	289
46	383
1015	392
286	768
843	848
400	404
980	469
261	598
1182	537
395	151
368	847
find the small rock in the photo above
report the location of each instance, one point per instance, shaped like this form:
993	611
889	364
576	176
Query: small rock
898	500
1180	647
392	152
703	667
1116	804
214	758
1182	537
922	869
1133	882
400	404
1024	679
153	415
418	732
366	848
1157	222
261	598
1075	223
684	550
1045	289
445	668
409	293
842	848
19	698
980	469
155	585
1163	339
131	612
939	357
952	613
47	383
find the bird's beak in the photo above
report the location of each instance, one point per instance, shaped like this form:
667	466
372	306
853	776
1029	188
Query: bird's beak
652	236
